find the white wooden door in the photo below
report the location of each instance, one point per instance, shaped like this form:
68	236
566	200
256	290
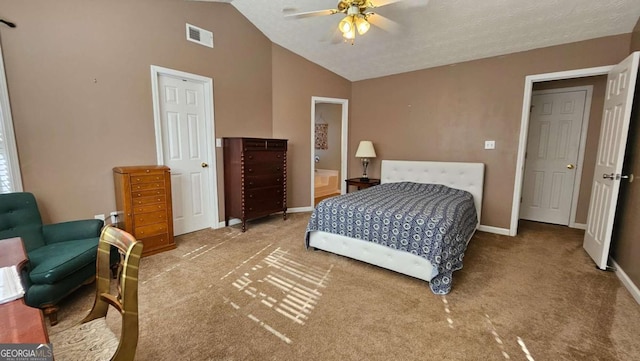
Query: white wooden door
184	143
616	116
553	144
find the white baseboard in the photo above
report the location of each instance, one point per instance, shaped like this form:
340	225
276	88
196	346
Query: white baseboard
232	222
496	230
627	282
299	209
578	225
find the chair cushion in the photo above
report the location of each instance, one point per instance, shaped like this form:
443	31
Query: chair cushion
54	262
87	341
20	217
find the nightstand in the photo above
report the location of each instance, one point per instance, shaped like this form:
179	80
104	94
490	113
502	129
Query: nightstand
361	183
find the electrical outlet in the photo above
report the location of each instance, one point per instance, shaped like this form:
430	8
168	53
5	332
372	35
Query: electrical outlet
114	217
489	144
99	216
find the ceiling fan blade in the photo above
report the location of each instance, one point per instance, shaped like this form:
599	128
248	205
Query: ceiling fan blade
380	3
383	23
308	14
403	3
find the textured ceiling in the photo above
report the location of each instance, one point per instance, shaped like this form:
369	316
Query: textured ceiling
437	32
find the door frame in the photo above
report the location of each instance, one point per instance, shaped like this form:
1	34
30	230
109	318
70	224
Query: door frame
524	128
157	71
581	146
343	142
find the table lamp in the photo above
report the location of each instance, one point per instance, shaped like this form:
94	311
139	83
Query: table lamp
365	151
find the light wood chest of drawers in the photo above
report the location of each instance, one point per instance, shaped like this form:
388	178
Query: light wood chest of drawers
143	201
255	178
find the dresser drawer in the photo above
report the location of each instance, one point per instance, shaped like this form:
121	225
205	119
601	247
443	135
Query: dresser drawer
276	144
146	178
260	181
149	218
147	193
154	242
146	186
150	230
149	208
263	168
259	207
258	157
148	200
254	144
255	196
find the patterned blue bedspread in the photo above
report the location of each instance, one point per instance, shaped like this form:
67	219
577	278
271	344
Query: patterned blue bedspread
430	220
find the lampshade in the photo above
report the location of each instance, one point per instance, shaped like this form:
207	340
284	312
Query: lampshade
365	150
350	35
346	24
362	24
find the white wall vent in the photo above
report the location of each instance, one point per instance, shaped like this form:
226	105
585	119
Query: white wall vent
199	35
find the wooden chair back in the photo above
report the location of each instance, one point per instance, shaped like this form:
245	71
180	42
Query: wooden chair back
125	297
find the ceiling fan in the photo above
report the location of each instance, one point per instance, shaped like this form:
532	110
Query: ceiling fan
359	16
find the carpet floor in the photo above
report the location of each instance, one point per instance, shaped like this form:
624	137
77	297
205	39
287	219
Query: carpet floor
260	295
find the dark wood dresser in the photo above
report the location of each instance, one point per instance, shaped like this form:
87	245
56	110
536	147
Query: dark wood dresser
143	201
255	178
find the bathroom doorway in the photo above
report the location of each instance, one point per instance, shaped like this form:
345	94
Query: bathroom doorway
329	146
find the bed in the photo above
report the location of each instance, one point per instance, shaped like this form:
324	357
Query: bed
434	263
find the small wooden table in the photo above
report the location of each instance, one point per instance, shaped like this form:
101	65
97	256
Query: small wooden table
20	323
362	183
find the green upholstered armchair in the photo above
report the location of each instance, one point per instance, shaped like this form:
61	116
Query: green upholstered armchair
62	256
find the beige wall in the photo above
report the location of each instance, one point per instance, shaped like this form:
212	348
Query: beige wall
71	130
625	247
447	113
295	81
593	134
330	114
635	38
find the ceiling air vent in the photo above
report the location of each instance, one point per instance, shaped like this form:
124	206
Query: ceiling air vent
199	35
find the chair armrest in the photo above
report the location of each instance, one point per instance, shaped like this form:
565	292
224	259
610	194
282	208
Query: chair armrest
68	231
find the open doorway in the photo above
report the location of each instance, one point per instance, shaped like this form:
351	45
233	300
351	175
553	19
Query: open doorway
581	77
559	132
329	117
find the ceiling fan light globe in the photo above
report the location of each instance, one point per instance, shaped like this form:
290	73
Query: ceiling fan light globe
350	35
346	25
362	25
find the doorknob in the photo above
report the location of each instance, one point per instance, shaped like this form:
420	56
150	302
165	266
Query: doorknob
611	176
570	166
204	165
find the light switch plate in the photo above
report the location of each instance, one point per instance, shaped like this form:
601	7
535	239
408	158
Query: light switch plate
219	142
489	144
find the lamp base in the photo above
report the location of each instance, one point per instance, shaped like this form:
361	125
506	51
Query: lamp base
364	179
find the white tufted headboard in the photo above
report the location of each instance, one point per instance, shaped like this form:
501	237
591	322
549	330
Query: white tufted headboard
465	176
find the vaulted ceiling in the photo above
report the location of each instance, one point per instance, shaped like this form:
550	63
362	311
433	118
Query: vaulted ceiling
436	32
